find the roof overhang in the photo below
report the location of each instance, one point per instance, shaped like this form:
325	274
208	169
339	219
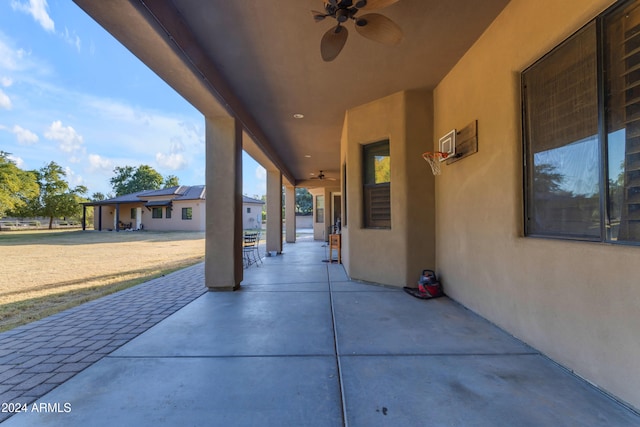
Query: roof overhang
259	61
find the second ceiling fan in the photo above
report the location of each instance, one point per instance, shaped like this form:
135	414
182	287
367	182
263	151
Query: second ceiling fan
371	25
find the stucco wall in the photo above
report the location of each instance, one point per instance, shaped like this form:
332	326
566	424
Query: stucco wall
579	303
253	219
175	223
393	256
109	215
320	229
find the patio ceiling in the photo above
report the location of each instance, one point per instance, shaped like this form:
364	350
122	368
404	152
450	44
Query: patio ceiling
260	61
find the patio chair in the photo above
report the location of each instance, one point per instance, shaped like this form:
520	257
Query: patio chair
250	253
258	235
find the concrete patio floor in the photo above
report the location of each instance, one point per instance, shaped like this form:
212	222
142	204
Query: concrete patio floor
302	345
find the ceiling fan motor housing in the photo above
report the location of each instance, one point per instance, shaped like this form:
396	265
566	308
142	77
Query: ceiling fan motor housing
342	15
373	26
343	10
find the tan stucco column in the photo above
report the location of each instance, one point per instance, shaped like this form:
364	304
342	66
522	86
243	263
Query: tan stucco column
290	213
274	211
223	244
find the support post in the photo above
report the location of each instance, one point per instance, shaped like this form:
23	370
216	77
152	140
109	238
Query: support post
274	211
223	243
290	213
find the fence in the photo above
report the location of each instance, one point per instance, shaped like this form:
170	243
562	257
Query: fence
36	224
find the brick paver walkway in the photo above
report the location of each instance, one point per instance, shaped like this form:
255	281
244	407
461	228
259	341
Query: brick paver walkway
38	357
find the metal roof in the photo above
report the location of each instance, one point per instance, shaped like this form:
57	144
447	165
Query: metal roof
181	192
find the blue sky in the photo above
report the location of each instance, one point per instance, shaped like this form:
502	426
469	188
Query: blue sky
70	93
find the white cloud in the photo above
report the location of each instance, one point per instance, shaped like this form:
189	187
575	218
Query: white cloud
11	59
113	110
261	173
38	10
99	163
6	81
72	178
17	160
176	145
173	161
71	39
5	101
25	136
70	141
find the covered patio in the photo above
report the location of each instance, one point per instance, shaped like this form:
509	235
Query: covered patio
355	129
303	345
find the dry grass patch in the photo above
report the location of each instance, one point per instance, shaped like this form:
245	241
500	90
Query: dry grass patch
48	271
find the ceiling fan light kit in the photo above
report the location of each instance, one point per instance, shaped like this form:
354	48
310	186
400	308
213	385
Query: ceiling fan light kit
373	26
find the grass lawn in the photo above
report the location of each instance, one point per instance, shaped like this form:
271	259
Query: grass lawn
44	272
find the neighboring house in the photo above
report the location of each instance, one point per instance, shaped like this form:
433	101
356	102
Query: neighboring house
180	208
251	213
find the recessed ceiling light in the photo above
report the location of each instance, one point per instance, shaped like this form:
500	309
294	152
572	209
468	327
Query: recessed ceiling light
298	116
308	156
312	174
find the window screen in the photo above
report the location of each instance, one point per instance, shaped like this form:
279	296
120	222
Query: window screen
562	143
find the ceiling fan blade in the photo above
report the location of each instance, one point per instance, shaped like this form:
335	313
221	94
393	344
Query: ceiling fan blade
378	4
332	42
318	16
379	28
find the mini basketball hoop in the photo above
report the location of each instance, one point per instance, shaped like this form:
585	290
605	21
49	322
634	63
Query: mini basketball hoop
434	158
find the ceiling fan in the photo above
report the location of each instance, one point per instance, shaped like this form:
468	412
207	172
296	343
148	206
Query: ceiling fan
321	176
371	25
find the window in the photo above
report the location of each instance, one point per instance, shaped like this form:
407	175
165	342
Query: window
156	213
248	210
133	213
622	121
187	213
319	209
344	191
377	185
582	149
168	215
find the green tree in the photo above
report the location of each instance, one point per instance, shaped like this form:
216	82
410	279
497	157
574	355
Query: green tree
96	197
304	201
547	179
56	199
264	207
171	181
382	169
129	180
121	182
17	187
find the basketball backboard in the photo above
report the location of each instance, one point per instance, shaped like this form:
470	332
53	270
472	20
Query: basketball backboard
447	144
